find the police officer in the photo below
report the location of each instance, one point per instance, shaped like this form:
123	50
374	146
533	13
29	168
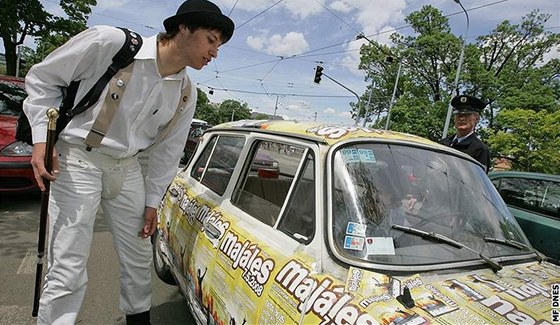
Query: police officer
466	111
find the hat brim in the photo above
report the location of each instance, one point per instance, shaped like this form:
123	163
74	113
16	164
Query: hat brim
465	110
204	18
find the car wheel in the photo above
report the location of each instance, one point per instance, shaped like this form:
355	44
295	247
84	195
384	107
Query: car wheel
162	269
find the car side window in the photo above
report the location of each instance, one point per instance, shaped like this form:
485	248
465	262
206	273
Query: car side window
215	165
299	220
266	184
536	195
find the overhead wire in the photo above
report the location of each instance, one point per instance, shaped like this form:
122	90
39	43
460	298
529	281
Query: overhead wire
308	53
260	13
234	5
299	56
266	92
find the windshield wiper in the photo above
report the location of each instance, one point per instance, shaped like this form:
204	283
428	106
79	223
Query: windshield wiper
515	244
433	236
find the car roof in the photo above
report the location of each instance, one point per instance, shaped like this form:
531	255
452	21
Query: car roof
321	132
195	120
521	174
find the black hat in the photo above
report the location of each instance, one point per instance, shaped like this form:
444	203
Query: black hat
467	104
201	12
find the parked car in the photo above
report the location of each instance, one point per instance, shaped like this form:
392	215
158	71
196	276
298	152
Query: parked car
359	227
534	200
16	173
197	129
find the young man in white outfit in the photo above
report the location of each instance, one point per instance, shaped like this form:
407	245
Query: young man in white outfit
84	178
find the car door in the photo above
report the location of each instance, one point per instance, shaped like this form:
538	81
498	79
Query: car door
272	224
196	234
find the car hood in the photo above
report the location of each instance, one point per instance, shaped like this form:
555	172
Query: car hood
477	297
7	130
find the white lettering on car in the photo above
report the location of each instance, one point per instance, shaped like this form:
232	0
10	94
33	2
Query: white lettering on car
247	256
194	210
327	301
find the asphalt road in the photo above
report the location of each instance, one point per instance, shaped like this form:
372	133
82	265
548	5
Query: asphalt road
19	221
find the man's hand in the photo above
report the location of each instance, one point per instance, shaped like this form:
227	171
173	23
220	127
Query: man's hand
38	164
150	223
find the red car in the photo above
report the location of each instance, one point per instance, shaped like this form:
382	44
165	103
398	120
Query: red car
16	174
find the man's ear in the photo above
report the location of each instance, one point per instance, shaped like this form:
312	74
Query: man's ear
183	29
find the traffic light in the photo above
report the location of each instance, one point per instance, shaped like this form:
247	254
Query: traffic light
318	74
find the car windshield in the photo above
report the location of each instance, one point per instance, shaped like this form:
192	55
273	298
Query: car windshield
379	191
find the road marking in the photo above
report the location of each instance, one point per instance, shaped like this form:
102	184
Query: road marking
29	262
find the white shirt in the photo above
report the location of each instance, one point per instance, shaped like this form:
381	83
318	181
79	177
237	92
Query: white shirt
147	105
462	138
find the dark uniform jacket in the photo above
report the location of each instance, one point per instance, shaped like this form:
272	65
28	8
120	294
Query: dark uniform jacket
472	146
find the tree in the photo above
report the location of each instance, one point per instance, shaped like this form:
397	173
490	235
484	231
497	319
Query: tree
20	19
530	139
230	108
428	60
205	110
506	68
262	116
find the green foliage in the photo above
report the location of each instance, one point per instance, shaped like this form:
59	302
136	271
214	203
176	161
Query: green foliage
419	117
230	108
506	68
205	110
428	61
509	70
20	19
531	139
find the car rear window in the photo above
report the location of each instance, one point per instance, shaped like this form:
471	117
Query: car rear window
215	165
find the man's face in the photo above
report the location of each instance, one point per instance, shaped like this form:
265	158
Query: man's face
465	122
198	47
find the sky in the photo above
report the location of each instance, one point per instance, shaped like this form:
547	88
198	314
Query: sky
270	61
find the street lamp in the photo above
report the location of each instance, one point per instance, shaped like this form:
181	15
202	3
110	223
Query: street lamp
18	59
393	96
368	104
362	36
456	83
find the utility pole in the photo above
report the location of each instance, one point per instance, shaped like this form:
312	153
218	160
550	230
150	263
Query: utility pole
18	59
456	82
390	55
368	104
393	98
275	108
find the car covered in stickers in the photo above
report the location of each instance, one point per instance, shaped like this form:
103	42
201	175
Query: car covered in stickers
356	226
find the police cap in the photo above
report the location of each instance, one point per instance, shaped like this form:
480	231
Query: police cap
467	104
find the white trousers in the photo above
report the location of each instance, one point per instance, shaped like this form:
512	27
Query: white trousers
86	181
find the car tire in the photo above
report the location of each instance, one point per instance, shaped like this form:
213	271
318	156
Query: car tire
162	270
